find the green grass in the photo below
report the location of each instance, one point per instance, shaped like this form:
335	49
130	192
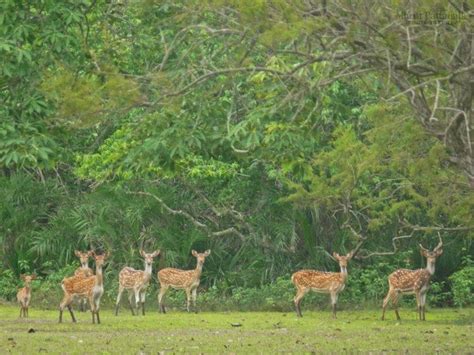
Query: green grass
446	330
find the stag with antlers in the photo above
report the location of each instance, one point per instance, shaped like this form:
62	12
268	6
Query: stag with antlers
182	279
23	295
136	282
91	287
405	281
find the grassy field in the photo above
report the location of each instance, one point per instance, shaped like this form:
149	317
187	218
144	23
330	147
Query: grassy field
446	330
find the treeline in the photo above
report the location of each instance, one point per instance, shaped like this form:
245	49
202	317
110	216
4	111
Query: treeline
271	132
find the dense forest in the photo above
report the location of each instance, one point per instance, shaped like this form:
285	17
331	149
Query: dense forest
271	132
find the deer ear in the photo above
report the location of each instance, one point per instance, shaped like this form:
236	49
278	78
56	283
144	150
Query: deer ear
207	252
142	253
156	253
439	252
194	252
77	253
22	276
33	277
336	255
90	253
106	254
350	255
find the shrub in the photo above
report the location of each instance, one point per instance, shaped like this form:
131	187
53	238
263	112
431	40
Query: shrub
8	284
463	284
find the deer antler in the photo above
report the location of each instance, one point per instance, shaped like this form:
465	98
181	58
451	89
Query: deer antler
440	244
422	247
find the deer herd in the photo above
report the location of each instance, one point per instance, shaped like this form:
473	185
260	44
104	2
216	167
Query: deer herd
89	287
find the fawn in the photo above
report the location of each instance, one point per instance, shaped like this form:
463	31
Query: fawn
405	281
322	282
84	270
136	282
23	295
91	287
182	279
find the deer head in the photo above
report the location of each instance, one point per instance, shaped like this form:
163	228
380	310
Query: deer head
201	257
149	256
343	260
27	278
432	255
83	256
100	259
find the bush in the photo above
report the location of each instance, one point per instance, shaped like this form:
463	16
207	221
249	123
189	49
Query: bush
463	284
8	284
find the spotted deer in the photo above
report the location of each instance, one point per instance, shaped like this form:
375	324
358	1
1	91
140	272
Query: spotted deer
136	282
84	270
91	287
322	282
23	295
187	280
405	281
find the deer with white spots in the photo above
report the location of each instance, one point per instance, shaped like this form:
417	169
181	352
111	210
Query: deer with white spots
322	282
23	295
91	287
405	281
187	280
136	282
85	271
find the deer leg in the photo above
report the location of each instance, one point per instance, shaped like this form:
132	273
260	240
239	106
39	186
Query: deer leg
66	302
395	298
117	302
418	304
71	313
297	300
386	300
97	307
130	295
422	304
161	296
142	301
137	300
188	298
26	312
194	295
84	305
334	302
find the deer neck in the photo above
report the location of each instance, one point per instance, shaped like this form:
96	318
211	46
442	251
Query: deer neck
84	266
98	276
344	272
198	271
148	269
430	267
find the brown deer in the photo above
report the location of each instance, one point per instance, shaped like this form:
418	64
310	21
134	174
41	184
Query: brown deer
187	280
405	281
23	295
322	282
84	268
86	271
91	287
136	282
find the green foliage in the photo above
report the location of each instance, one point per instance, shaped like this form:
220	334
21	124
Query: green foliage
225	127
463	284
8	284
